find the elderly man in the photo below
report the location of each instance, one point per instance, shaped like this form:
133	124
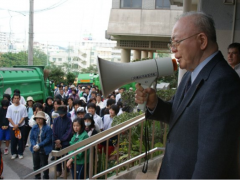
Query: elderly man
203	116
234	56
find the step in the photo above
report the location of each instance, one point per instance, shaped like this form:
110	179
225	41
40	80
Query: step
149	175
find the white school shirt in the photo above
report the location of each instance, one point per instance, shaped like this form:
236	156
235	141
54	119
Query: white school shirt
98	120
118	96
16	113
100	104
107	122
22	101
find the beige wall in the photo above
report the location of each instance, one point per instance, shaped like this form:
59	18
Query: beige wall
224	39
142	22
223	15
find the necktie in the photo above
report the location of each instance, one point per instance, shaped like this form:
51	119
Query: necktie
188	85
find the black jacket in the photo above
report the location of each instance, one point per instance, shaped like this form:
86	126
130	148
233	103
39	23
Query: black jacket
3	120
204	125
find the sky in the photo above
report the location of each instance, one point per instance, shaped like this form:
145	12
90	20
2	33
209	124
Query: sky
56	22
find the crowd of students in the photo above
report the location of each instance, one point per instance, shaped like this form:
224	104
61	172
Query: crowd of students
72	115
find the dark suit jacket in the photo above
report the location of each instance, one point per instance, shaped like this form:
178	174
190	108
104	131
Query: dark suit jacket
204	125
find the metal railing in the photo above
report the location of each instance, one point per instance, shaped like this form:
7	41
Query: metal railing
91	144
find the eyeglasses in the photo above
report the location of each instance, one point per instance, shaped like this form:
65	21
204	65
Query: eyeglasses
174	44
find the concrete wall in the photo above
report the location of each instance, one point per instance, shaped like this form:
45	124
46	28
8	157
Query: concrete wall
142	22
223	17
134	172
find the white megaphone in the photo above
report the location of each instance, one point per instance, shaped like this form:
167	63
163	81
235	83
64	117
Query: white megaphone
114	75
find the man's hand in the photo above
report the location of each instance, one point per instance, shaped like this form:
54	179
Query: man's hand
15	127
141	96
58	141
58	144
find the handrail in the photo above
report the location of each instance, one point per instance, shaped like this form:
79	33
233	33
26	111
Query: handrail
130	123
128	161
96	137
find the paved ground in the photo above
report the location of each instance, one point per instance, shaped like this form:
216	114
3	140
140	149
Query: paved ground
18	168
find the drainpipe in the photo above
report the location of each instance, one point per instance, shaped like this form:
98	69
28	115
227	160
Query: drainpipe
234	21
186	8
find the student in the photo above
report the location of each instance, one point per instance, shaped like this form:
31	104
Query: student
108	118
22	100
7	97
48	106
86	93
93	100
76	105
62	132
71	88
74	95
118	96
81	91
81	112
38	107
91	128
113	96
16	115
93	94
99	101
54	113
109	103
4	125
120	106
41	144
70	104
91	108
27	128
107	121
79	135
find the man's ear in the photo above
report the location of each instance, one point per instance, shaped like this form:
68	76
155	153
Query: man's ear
202	40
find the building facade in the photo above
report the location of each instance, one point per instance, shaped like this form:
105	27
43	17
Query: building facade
142	26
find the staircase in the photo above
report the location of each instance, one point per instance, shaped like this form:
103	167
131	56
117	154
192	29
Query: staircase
131	163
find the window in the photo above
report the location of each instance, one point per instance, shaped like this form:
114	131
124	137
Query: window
163	4
132	4
75	66
69	59
54	59
59	59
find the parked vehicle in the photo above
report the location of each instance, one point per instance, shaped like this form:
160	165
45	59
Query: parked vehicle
90	79
30	80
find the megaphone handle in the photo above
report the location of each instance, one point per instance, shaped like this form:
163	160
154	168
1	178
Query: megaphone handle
145	83
143	106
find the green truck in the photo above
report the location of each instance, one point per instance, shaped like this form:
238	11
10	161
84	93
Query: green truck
30	80
89	79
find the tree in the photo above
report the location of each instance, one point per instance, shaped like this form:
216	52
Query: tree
66	67
90	69
21	58
57	75
12	59
39	58
70	77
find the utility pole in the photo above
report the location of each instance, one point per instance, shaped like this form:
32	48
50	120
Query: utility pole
30	35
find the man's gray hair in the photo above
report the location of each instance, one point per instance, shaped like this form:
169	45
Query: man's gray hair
204	23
